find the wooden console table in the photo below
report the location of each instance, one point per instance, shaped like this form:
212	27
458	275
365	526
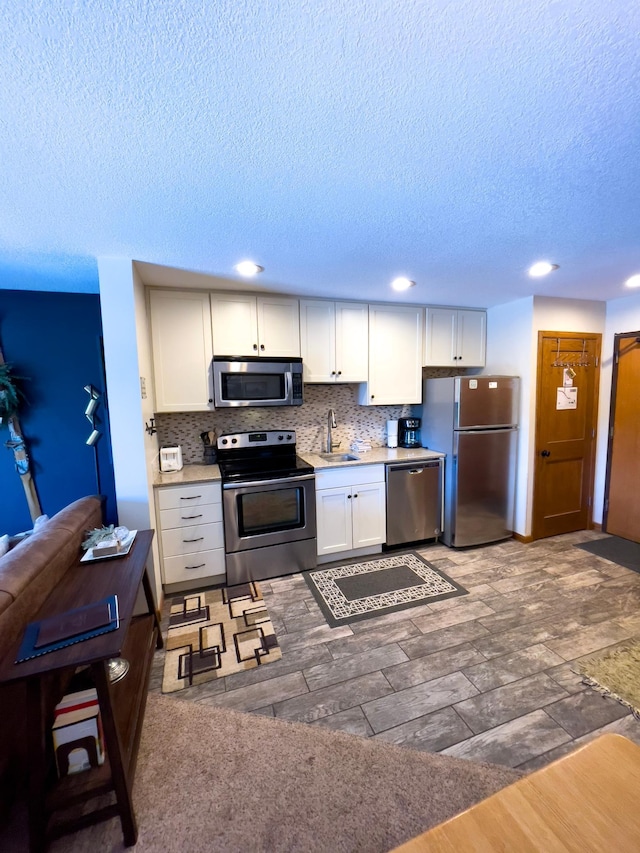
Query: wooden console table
585	801
122	704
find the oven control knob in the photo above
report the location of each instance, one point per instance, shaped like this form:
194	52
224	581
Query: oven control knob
289	437
280	437
224	441
234	441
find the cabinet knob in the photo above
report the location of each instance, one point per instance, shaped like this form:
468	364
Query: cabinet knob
261	346
333	373
211	399
355	496
339	373
349	496
255	346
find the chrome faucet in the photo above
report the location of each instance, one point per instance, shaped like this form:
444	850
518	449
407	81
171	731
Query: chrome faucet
331	424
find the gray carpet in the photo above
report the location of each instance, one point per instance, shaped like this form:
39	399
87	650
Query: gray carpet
211	779
621	551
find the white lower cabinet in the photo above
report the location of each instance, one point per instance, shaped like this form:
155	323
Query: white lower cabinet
350	508
191	533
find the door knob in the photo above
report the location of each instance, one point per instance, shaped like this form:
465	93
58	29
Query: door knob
545	453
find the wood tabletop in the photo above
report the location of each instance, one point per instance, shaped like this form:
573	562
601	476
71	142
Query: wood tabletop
589	800
83	584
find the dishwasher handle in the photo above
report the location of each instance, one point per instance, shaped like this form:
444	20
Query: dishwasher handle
414	467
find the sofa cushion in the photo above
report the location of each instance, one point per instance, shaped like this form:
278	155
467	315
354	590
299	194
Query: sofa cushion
5	601
32	569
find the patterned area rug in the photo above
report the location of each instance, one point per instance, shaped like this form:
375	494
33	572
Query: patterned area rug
381	585
215	633
616	674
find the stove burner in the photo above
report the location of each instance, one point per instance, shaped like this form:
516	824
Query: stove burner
260	456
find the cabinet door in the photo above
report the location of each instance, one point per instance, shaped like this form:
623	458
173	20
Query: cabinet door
182	351
369	518
333	517
440	346
278	327
317	340
352	342
234	323
471	338
395	348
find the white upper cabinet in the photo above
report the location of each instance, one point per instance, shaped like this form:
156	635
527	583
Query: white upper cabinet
248	325
334	341
395	356
454	337
182	350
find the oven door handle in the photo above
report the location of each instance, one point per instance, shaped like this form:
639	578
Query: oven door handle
278	482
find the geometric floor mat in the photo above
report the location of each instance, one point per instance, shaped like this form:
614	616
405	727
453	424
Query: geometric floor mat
362	589
216	632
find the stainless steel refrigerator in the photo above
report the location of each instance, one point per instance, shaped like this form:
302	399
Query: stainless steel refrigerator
474	420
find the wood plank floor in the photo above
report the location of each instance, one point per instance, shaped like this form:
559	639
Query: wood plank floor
486	676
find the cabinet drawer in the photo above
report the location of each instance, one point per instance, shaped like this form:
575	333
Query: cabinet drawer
188	567
188	516
352	475
194	539
174	497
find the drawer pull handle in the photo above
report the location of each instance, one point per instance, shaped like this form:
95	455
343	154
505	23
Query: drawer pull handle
196	567
188	517
199	539
191	498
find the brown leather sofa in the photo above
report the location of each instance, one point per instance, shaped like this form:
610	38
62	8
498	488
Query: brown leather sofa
28	573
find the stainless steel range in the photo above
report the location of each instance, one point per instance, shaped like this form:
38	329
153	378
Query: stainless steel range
269	505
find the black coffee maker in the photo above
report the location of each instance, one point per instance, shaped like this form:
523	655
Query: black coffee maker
409	432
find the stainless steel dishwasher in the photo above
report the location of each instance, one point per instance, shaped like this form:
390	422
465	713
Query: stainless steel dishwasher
414	501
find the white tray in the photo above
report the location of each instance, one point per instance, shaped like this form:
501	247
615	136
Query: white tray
127	542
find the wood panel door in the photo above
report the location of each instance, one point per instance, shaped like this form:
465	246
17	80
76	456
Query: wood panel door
566	417
622	497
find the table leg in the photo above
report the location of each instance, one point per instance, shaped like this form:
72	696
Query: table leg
37	767
119	775
148	593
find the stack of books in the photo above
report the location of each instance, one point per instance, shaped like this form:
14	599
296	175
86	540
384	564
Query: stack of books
78	738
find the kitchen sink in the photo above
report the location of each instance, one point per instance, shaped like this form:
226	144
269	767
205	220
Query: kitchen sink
339	457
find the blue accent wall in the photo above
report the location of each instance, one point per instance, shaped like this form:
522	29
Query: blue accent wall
55	341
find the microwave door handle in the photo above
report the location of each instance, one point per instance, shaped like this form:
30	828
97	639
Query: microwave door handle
288	386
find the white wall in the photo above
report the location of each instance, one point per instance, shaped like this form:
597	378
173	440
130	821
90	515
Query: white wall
623	315
512	348
127	357
509	352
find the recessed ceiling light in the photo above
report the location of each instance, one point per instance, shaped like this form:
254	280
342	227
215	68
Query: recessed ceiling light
248	268
542	268
634	281
402	283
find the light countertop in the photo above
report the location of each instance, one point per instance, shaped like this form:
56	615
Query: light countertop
192	473
189	474
375	456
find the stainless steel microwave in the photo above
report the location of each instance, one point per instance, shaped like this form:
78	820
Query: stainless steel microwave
255	381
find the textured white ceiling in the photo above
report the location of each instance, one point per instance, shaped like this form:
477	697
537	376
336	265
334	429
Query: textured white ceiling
338	143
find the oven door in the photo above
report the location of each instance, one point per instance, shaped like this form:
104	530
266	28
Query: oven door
268	512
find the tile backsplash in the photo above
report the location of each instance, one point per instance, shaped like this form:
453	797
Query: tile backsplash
309	420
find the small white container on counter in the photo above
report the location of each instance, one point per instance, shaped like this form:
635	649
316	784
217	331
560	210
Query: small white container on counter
392	433
171	458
